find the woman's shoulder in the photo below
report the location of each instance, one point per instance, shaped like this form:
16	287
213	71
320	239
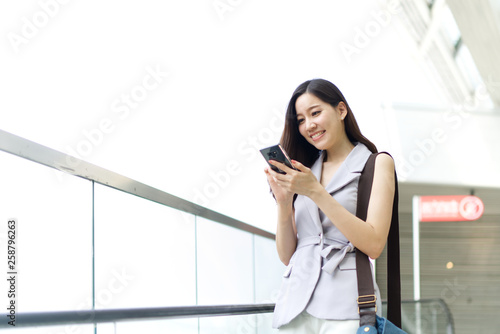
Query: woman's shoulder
384	161
384	168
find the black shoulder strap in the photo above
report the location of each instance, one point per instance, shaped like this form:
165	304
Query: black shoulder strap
366	291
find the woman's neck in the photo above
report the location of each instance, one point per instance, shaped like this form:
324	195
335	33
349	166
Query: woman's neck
338	153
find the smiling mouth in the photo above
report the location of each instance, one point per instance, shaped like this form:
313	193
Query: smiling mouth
317	135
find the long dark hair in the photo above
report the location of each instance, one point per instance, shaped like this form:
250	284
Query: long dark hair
297	147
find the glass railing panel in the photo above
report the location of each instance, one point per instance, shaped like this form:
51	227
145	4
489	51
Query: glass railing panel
268	275
61	329
53	237
236	324
175	326
144	252
268	270
225	264
241	324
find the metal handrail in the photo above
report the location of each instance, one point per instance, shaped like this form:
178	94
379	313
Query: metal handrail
82	317
49	157
118	315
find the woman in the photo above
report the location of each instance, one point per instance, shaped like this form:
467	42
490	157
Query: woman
317	227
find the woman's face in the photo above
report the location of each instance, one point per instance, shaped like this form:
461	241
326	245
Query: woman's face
320	123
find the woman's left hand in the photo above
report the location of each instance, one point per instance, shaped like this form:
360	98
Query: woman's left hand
301	181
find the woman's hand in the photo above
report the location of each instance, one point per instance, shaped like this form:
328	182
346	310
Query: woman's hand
301	181
282	195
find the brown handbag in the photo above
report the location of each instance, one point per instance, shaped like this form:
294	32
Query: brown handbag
366	291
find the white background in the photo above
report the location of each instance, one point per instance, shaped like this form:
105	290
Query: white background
232	66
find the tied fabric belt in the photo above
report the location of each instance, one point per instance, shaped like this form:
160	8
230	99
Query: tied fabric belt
338	248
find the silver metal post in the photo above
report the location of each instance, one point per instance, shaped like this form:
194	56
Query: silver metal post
416	260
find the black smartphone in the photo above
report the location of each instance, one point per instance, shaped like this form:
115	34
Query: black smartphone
277	153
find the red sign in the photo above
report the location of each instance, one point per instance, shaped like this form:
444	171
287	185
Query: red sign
450	208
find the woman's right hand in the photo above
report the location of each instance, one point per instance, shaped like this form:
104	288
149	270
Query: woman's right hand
282	195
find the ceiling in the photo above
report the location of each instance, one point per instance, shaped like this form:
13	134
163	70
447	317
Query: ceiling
459	41
479	24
